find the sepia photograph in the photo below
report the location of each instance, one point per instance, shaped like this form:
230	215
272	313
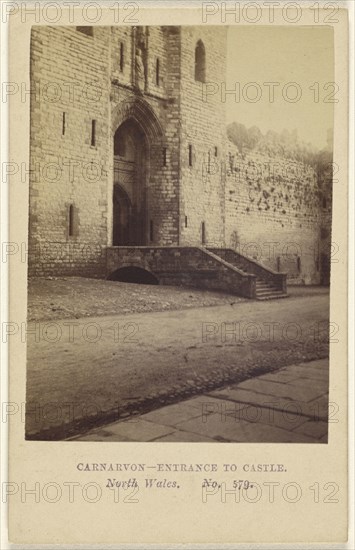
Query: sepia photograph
180	234
175	255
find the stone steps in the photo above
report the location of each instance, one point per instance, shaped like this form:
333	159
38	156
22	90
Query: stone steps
267	291
264	298
269	284
268	287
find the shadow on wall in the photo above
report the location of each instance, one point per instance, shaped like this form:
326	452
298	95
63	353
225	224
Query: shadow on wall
133	274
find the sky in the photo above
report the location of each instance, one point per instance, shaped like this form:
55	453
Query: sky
258	54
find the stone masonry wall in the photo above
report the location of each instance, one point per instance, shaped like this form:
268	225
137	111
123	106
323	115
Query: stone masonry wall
202	127
162	186
274	211
187	266
69	90
79	78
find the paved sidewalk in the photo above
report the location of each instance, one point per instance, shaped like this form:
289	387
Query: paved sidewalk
285	406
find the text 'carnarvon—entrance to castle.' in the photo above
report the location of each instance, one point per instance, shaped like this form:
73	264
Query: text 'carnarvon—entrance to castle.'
129	189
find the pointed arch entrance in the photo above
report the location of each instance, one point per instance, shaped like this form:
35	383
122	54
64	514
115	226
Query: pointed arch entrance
130	183
137	137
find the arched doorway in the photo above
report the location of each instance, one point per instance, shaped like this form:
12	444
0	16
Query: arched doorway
122	214
129	191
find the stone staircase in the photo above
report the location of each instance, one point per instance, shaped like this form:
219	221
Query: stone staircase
196	266
269	284
267	291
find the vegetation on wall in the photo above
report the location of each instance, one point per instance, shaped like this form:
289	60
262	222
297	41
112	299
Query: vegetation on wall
286	144
282	178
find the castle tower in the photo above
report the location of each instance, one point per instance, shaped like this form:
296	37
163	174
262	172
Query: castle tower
203	130
126	146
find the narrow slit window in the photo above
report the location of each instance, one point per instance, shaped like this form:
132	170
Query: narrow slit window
216	151
121	56
157	72
64	123
93	133
185	221
203	233
151	231
190	155
164	156
200	62
71	221
298	264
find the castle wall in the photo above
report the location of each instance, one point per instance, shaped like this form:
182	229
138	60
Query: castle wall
82	78
199	189
202	127
162	186
274	212
66	168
